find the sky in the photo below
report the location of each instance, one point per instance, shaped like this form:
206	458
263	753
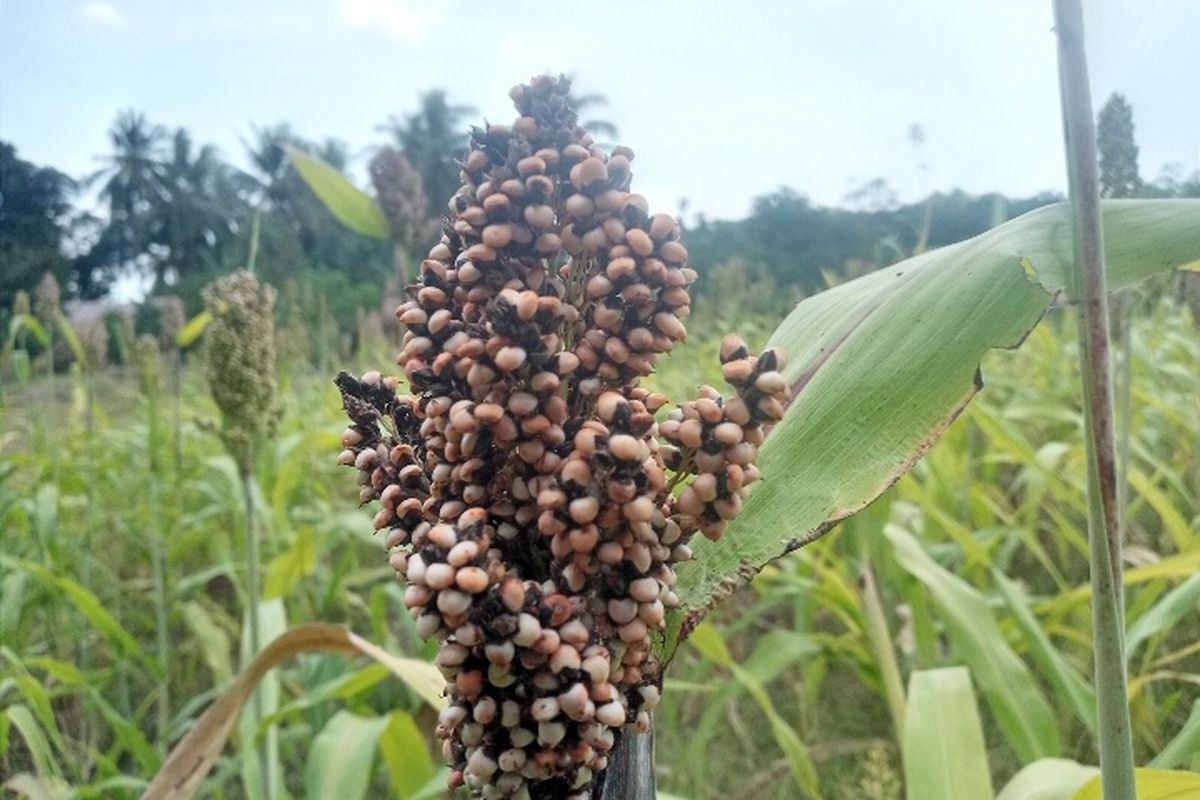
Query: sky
721	102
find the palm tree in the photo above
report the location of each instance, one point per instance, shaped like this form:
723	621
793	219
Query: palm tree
198	218
269	161
433	141
132	187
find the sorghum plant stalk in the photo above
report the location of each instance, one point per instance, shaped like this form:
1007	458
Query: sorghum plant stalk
47	297
150	377
240	351
173	320
47	300
530	498
1105	509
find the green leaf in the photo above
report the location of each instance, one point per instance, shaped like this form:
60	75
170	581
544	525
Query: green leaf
943	750
290	566
12	601
26	322
89	605
1057	670
36	697
1174	605
1173	522
192	330
212	638
707	640
342	757
353	207
127	734
880	366
435	787
33	787
776	650
197	752
1153	784
272	623
35	741
72	339
343	687
1184	749
1180	565
402	745
1048	779
1023	713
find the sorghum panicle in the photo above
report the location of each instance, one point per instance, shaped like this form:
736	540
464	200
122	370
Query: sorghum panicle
93	336
240	361
401	195
525	487
172	320
47	299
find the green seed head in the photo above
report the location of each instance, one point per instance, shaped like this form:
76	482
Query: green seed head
240	361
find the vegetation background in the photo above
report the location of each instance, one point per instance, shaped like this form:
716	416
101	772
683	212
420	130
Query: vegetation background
122	573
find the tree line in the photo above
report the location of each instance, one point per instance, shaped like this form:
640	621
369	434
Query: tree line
176	213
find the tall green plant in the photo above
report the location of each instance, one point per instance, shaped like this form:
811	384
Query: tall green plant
150	368
240	350
1104	496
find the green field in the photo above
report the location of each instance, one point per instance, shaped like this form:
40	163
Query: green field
123	575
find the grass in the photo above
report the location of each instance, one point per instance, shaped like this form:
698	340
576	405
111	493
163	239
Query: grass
1001	495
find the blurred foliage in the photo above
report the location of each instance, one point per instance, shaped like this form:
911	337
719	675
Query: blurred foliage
170	214
34	202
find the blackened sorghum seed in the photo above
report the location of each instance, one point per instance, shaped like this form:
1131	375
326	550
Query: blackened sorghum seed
523	484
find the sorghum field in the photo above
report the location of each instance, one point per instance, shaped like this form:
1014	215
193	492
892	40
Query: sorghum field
123	578
448	464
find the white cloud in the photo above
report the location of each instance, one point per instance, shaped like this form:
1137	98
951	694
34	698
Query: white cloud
399	19
103	12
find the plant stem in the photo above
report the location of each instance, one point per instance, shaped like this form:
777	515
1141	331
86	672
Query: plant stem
630	772
159	567
1122	325
177	414
1104	500
252	611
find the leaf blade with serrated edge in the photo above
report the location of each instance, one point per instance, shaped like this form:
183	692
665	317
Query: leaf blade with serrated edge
880	367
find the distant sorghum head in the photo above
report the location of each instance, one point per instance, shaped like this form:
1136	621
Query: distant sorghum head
401	195
526	487
21	305
172	320
148	360
240	361
93	335
47	299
